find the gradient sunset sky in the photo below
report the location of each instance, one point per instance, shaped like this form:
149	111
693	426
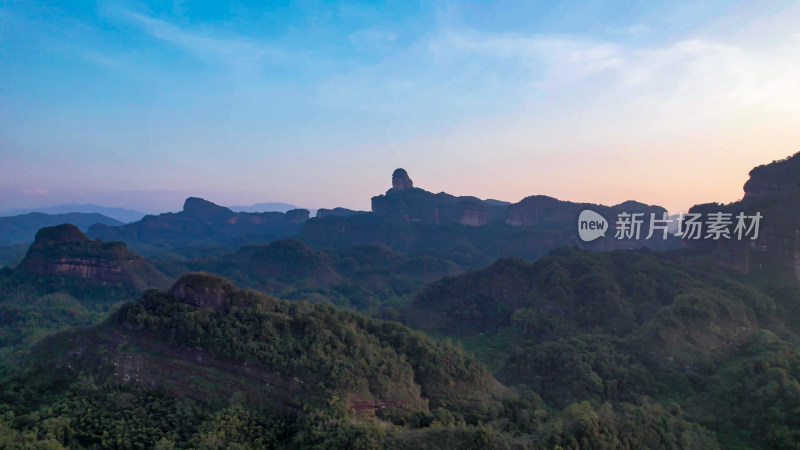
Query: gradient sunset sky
140	104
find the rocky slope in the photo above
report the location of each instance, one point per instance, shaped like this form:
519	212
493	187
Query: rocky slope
64	251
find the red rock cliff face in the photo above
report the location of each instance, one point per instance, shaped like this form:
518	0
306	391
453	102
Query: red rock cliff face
533	210
472	214
65	251
105	272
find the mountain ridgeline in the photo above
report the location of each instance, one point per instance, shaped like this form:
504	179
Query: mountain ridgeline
284	331
470	231
22	228
204	223
467	230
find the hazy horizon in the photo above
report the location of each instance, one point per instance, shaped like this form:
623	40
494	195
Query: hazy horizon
140	105
156	202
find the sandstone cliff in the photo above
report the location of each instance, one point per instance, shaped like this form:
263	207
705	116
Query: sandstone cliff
773	190
65	251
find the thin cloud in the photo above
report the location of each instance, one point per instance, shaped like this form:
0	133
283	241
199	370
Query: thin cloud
236	51
701	72
372	39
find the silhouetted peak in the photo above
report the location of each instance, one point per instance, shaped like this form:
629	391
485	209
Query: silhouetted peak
777	179
203	208
401	181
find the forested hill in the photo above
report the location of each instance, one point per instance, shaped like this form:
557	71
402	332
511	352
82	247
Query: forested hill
619	326
208	365
205	338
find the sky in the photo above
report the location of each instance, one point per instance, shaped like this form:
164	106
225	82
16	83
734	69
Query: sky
141	104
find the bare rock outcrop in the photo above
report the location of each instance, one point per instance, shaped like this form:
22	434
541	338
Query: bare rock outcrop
401	181
203	291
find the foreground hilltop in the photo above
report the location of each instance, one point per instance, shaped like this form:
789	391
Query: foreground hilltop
208	365
285	354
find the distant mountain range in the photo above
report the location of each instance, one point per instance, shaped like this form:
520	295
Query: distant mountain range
467	230
470	231
202	223
121	214
264	207
22	228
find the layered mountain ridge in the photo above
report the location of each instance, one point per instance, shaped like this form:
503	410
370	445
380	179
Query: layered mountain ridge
204	221
22	228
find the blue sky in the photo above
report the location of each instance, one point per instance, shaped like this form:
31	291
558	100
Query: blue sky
140	104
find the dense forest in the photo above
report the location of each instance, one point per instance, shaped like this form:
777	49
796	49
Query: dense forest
273	373
593	350
622	326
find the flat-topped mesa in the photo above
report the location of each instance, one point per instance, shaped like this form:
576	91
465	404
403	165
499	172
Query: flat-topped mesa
204	221
296	215
204	209
65	251
401	181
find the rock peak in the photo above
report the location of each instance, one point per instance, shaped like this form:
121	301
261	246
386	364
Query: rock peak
202	290
205	209
61	234
401	181
777	179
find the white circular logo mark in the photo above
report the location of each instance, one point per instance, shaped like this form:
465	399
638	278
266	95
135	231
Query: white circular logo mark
591	225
